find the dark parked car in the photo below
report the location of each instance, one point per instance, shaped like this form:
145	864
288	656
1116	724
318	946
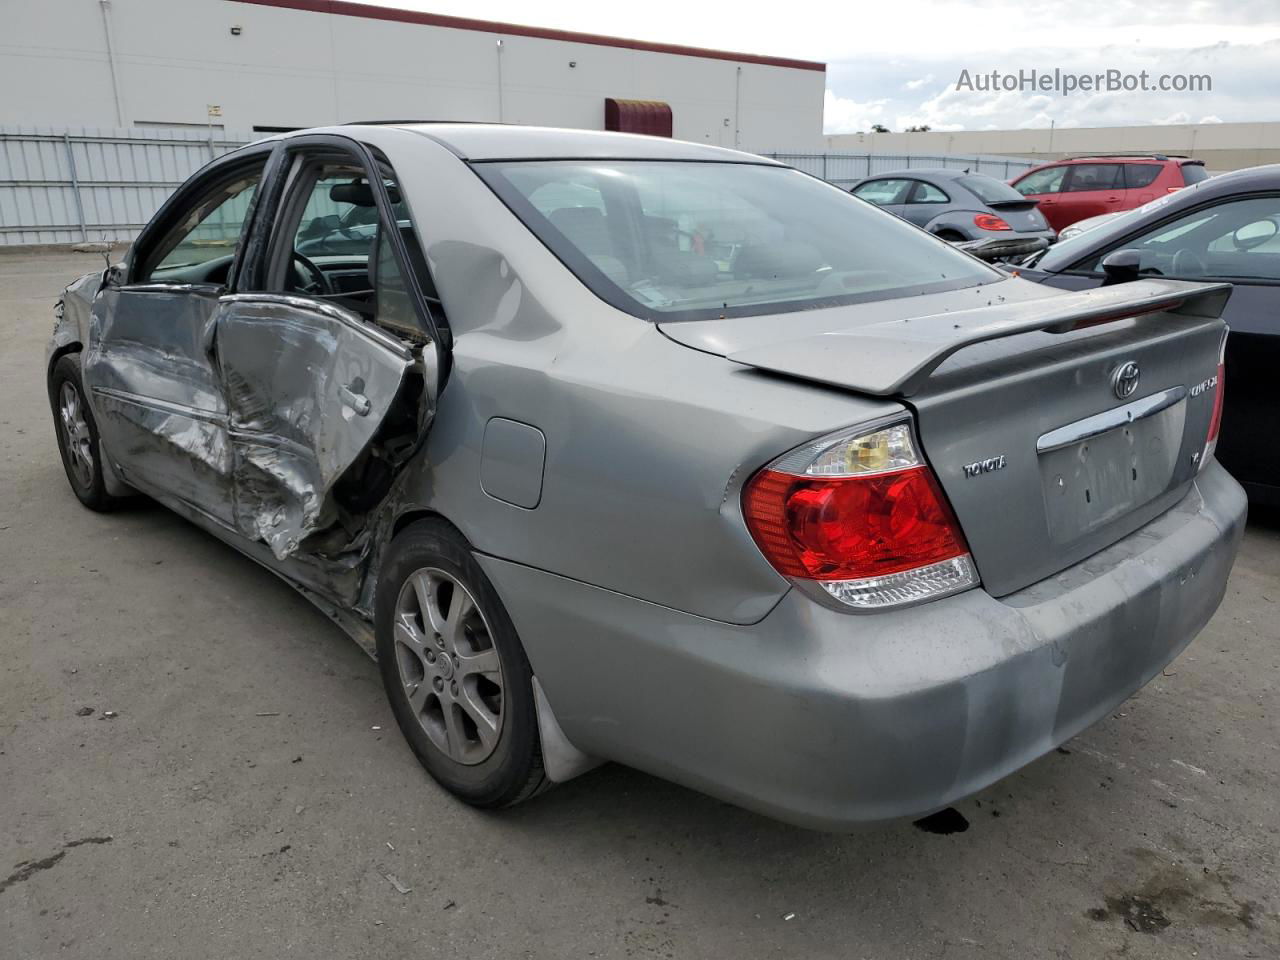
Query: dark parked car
1072	190
1225	228
956	205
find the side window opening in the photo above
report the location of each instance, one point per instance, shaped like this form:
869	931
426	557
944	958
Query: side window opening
1095	176
332	244
928	193
1139	175
1048	180
201	246
1237	239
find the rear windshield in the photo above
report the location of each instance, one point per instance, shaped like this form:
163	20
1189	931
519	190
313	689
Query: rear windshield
676	240
990	190
1193	173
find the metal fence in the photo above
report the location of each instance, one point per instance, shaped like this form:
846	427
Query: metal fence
71	185
65	185
843	169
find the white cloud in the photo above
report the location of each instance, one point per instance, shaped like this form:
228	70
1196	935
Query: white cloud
1211	119
918	83
842	115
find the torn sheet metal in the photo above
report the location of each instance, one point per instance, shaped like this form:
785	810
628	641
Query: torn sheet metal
307	387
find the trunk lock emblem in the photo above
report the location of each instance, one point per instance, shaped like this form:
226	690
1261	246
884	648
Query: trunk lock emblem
1125	380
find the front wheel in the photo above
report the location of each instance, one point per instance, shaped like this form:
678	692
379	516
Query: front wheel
457	677
77	435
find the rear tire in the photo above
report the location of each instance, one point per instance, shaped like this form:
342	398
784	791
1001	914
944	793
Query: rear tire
951	236
77	435
454	671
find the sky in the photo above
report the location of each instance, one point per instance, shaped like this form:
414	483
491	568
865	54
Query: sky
898	63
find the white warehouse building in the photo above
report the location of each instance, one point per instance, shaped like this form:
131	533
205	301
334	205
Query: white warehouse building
268	65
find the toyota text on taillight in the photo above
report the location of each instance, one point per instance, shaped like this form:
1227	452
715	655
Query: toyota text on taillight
858	520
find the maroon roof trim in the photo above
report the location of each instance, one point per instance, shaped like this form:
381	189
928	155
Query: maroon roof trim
346	8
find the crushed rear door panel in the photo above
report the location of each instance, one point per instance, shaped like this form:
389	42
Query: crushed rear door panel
308	385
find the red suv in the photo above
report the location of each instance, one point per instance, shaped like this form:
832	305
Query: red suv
1071	190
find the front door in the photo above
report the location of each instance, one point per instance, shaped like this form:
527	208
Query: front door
1045	187
891	194
148	367
327	360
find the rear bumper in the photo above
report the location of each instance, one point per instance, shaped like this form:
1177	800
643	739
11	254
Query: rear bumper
828	719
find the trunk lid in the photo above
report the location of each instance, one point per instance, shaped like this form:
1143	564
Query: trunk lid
1020	214
1045	462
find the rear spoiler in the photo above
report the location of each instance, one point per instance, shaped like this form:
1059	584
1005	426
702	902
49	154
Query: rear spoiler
1011	204
896	357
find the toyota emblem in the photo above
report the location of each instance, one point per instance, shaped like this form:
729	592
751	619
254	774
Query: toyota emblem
1125	380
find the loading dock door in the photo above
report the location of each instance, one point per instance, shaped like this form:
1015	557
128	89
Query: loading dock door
638	116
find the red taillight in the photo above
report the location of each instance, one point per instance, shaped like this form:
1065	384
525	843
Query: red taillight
851	527
1215	416
862	518
989	221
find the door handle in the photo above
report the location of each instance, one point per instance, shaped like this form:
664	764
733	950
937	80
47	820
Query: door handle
354	399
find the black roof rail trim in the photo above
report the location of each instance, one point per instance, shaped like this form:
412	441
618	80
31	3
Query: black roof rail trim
1130	154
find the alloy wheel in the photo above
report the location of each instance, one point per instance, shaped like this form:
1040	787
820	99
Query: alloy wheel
448	665
75	434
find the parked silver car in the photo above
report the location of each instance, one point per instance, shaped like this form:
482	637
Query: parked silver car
620	448
957	205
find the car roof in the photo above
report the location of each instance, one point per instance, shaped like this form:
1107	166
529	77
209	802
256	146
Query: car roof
939	173
498	141
1249	180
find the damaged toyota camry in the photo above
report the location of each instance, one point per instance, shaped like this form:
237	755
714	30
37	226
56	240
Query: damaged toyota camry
619	448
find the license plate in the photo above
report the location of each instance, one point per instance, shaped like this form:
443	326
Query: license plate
1090	483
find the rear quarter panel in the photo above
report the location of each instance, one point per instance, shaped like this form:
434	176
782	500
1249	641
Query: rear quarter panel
648	442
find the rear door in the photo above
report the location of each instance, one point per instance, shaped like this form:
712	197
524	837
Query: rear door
1090	189
329	384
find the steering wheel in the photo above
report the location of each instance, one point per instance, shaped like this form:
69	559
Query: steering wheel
314	280
1187	263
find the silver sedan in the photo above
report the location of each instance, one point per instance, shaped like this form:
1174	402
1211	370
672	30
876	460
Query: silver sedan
620	448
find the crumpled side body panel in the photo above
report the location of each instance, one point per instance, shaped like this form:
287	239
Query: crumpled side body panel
306	392
71	314
153	390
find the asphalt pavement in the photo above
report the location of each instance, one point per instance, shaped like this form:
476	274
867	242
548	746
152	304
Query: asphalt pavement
195	763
